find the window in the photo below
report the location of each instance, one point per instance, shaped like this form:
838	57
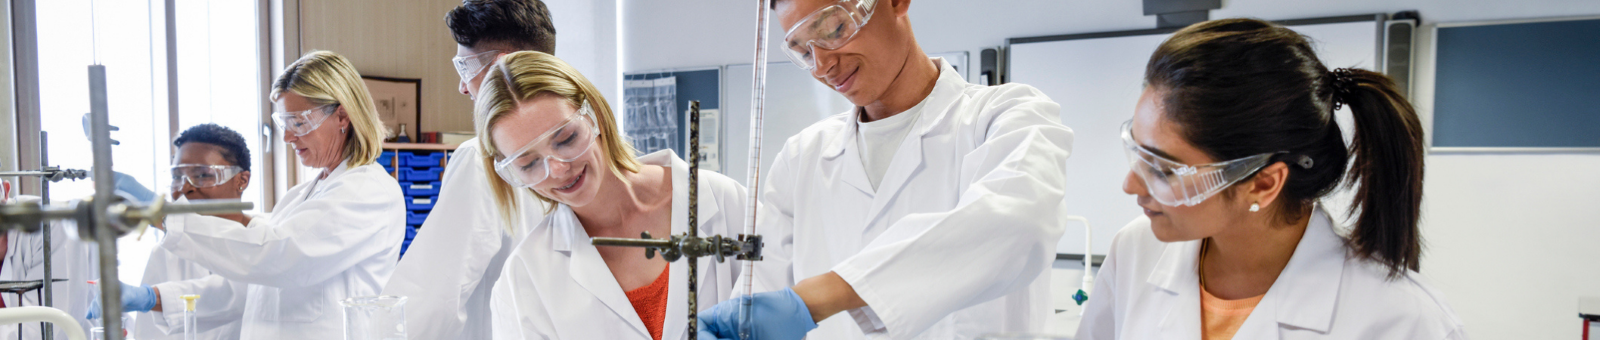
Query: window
217	73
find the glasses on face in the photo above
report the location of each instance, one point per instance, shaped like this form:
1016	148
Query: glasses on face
829	28
201	175
469	66
301	123
1177	184
569	140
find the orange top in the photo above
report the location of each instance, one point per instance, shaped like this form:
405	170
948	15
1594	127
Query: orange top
650	302
1219	318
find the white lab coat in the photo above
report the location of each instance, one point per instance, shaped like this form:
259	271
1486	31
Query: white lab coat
72	259
326	240
174	276
952	243
449	272
1148	289
556	286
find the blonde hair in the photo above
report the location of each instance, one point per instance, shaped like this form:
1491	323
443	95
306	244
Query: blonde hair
533	74
325	78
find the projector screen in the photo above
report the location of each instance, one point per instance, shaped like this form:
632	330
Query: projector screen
1097	78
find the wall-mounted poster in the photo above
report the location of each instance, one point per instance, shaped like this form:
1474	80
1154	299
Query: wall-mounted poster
398	102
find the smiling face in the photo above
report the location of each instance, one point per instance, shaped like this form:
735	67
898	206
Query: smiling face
1152	130
208	154
323	147
863	69
572	183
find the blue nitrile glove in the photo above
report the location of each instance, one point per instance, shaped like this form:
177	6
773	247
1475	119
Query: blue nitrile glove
779	315
134	299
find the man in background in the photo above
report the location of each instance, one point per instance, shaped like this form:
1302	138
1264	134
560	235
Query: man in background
451	267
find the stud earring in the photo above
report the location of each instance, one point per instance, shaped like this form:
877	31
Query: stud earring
1254	207
341	130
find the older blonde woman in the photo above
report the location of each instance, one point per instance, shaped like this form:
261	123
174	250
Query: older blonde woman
334	237
551	132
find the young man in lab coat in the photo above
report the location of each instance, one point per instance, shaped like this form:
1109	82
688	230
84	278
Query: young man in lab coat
222	301
927	212
452	264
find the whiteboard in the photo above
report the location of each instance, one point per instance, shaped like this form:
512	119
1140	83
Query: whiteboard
794	102
1097	79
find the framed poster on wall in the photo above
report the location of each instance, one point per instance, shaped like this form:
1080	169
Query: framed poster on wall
398	101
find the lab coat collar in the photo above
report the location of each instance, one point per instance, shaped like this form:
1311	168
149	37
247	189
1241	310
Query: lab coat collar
573	240
935	107
1304	295
1306	292
344	166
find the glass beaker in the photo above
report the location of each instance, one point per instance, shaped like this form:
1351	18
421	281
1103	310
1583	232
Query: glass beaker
375	318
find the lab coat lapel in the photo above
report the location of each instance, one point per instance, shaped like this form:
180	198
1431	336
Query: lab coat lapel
845	159
590	271
1175	275
908	157
1305	293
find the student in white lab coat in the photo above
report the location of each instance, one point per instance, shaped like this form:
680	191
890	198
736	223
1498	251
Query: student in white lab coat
928	211
1232	146
71	259
330	238
450	270
552	133
213	162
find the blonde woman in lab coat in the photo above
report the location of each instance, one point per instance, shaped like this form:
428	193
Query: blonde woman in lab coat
1232	145
332	237
551	132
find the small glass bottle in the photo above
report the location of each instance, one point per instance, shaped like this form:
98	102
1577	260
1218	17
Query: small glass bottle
402	138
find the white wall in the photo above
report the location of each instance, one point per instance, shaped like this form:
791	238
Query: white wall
586	37
1511	238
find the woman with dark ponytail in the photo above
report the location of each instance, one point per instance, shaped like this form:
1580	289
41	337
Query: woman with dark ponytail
1231	148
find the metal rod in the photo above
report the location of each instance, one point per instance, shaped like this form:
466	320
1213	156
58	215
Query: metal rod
630	242
49	252
26	173
100	136
758	95
694	215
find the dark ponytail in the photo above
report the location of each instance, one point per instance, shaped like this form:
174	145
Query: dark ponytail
1241	87
1387	170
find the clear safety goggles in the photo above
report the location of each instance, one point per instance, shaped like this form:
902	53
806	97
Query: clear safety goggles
1177	184
202	176
530	164
829	28
301	123
469	66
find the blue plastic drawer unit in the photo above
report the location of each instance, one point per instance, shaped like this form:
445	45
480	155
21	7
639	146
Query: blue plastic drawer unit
419	202
386	159
420	188
416	217
411	233
420	174
421	158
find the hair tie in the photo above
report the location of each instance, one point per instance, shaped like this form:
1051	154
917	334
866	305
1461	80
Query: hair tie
1306	162
1343	82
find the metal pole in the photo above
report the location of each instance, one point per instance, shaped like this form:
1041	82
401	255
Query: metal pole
110	285
49	252
694	216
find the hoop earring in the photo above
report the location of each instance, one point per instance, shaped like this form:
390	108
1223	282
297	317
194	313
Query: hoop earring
1254	207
